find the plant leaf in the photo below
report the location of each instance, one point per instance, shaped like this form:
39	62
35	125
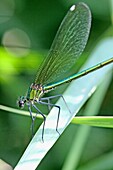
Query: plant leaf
99	121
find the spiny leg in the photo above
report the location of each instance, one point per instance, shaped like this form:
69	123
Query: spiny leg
41	102
32	119
49	107
56	96
43	118
48	101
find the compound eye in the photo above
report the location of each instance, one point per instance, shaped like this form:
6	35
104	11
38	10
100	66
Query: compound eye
21	104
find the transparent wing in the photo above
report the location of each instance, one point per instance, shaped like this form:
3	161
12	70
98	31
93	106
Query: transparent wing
68	44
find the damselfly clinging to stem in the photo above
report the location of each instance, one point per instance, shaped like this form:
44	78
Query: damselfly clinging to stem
67	46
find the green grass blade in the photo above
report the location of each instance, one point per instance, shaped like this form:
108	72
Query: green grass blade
18	111
89	120
98	121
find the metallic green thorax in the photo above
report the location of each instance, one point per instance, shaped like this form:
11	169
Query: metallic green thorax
35	92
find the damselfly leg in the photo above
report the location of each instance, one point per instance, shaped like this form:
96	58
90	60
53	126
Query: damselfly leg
49	104
33	120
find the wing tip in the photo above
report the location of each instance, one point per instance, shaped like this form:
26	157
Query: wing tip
73	7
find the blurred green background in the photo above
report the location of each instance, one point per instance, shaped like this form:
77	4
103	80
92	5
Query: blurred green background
33	24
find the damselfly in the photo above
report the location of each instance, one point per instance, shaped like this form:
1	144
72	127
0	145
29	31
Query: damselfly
67	46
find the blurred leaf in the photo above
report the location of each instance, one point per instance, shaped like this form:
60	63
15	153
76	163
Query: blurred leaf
112	12
95	121
13	65
103	162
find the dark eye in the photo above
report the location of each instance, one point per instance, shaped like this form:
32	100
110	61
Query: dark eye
21	103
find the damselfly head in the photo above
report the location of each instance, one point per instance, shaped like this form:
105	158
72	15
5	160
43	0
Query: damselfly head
21	102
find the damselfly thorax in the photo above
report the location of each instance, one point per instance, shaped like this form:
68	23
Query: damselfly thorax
35	92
